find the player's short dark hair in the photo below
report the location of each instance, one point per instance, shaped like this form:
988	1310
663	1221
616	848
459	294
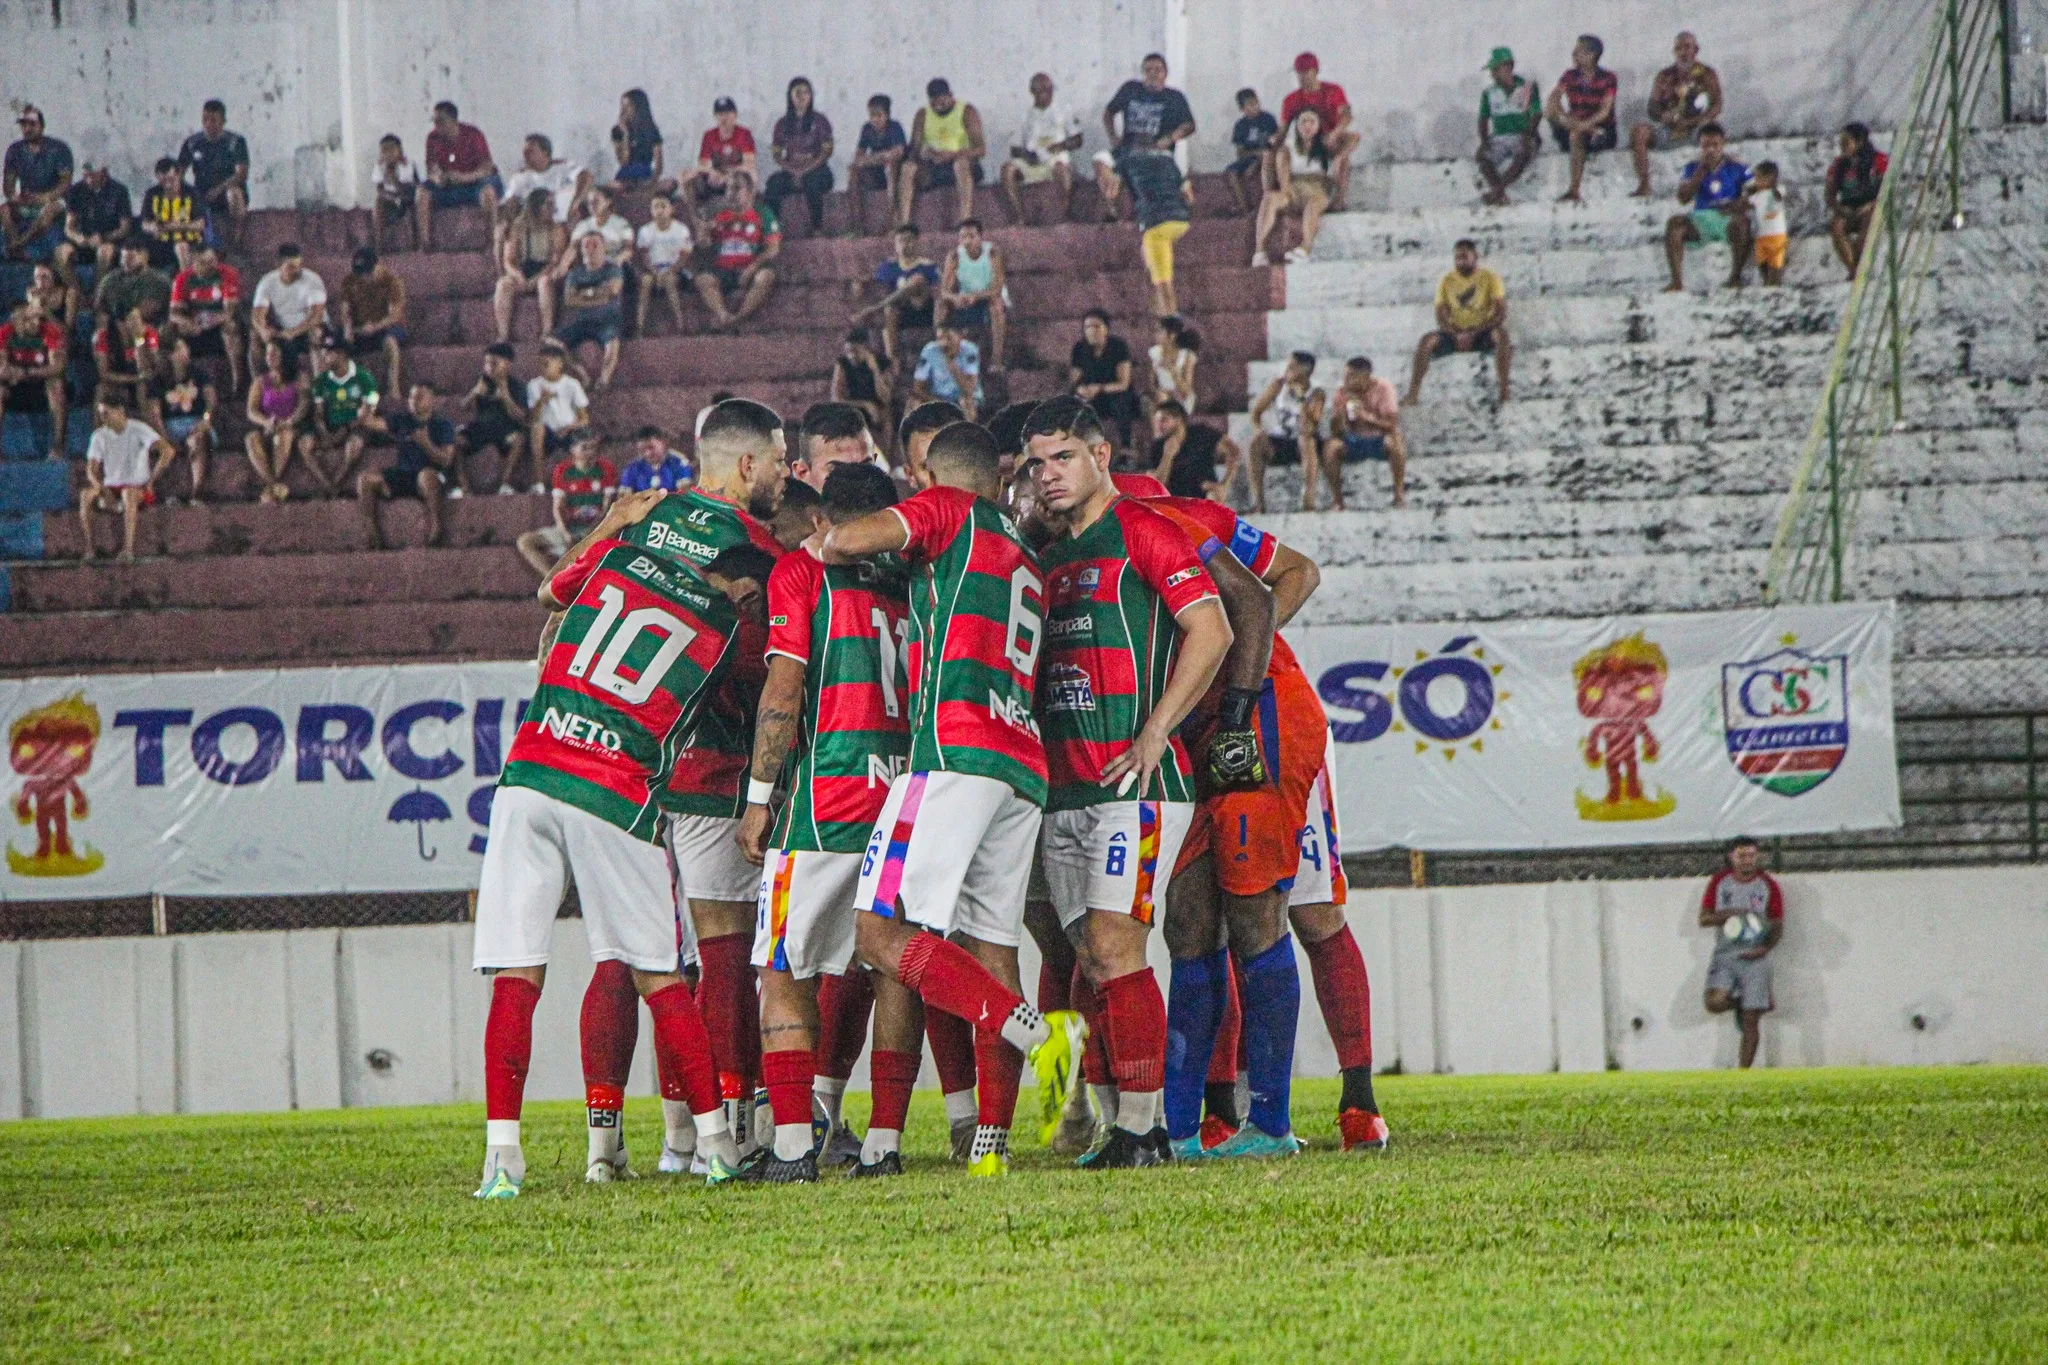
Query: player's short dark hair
1158	57
214	107
974	223
501	349
1739	841
166	163
542	141
1172	407
1714	128
1102	313
742	561
288	251
1465	244
650	432
1307	358
832	422
936	415
797	496
1359	362
1599	48
111	396
881	102
936	87
1858	130
1245	96
448	107
740	417
390	139
854	490
1007	426
966	446
1065	415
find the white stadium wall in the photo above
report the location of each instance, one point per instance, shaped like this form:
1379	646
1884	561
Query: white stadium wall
1876	968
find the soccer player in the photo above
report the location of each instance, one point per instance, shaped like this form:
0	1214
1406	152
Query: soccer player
641	646
950	852
1135	632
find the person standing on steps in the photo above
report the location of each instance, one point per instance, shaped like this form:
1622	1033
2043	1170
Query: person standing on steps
1581	110
1156	120
1746	904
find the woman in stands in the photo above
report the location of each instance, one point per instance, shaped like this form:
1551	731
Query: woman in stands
1301	169
278	403
181	408
534	241
636	142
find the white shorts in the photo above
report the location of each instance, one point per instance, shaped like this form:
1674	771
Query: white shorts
803	916
709	860
686	927
1116	857
1033	175
536	845
953	851
553	541
1320	879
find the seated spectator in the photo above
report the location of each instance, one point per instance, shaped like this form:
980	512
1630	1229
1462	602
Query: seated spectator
1471	315
636	146
606	222
290	306
1160	203
1329	101
133	286
1713	186
726	151
1301	185
655	464
534	242
863	380
1173	363
877	160
1287	417
833	434
592	310
206	301
1509	117
426	455
35	176
1156	120
121	469
557	409
394	190
1193	461
1684	97
1767	199
910	285
802	147
1581	110
946	148
949	371
567	184
34	351
127	352
662	255
460	172
98	217
497	421
581	488
181	406
218	163
1044	150
372	307
914	437
58	300
1745	907
172	222
974	289
1854	181
1253	135
344	415
1099	374
1365	424
279	404
745	241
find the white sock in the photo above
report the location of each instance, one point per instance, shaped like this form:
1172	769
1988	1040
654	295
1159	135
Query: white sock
1137	1111
792	1140
607	1135
714	1136
1025	1028
989	1138
1105	1102
828	1092
501	1148
878	1144
960	1106
678	1132
501	1132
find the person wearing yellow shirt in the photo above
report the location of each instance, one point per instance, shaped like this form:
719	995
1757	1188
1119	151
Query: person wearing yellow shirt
946	148
1471	315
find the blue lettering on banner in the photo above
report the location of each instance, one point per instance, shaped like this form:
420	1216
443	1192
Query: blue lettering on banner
1339	687
398	741
345	751
206	750
486	753
149	741
480	812
1466	720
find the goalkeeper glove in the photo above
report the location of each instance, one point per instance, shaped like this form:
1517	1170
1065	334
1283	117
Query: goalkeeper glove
1235	763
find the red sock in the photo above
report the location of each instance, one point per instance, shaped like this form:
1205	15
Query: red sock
788	1076
682	1049
609	1029
1344	995
954	1050
1223	1059
1055	977
1001	1067
1137	1030
508	1045
890	1076
732	1013
947	977
1095	1055
844	1003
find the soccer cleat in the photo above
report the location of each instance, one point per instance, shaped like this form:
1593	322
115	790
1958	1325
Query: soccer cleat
841	1147
1053	1062
1252	1141
989	1165
674	1162
1215	1132
1124	1150
718	1172
699	1163
499	1184
963	1139
1078	1133
1157	1140
1363	1131
773	1170
1024	1028
1189	1149
890	1164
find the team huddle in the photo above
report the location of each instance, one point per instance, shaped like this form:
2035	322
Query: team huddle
815	756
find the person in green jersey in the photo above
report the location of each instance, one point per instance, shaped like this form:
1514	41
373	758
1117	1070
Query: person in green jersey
344	414
1510	115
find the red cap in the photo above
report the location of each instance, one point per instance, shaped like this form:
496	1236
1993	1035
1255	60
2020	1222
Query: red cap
1138	486
1306	62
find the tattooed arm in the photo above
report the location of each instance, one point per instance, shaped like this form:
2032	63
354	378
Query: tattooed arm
548	633
775	724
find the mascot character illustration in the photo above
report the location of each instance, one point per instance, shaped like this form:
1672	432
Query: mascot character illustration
1620	686
51	747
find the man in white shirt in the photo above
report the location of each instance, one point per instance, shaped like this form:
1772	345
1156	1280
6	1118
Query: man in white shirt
664	248
540	169
121	469
289	308
1044	150
559	406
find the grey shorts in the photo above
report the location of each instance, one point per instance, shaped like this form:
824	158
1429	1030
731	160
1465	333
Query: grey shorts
1748	983
1502	151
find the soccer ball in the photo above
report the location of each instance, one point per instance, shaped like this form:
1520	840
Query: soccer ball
1743	928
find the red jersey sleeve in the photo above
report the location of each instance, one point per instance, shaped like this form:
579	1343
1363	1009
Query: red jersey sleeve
1163	553
1291	106
743	140
230	283
1775	908
792	598
559	480
1707	897
931	519
564	586
1252	547
707	146
181	287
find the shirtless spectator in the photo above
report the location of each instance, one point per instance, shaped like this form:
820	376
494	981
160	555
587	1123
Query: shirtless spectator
745	241
864	380
972	288
1043	150
726	151
1365	424
877	160
1471	315
1510	119
910	286
372	313
206	301
1328	99
946	148
217	160
98	217
1581	110
426	456
1156	120
460	172
35	177
567	184
497	421
289	308
1684	97
1288	419
33	353
394	191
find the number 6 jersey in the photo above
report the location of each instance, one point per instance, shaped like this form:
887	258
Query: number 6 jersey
643	644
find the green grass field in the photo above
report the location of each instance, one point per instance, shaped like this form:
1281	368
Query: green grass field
1774	1216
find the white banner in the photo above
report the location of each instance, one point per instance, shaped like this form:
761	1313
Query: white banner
1619	730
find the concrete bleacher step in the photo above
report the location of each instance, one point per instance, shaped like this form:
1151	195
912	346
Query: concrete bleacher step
251	532
303	579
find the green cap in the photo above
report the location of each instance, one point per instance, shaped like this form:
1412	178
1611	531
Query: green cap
1500	54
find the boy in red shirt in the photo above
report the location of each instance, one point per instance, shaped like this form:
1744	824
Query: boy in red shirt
580	490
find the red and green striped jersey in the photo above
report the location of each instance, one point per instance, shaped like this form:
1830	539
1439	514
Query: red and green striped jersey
695	526
847	625
977	603
643	645
1110	639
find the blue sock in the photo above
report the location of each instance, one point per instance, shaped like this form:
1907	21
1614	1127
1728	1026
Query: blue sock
1271	988
1194	1011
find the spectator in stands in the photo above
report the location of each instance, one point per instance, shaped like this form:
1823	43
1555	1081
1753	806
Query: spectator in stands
592	312
1684	97
877	160
1581	110
567	184
426	454
98	217
726	151
949	371
344	416
394	190
121	469
1156	120
279	404
910	285
126	352
181	407
35	177
1746	907
1160	203
1510	110
636	145
1471	315
833	434
974	289
460	172
1192	461
1328	100
1287	418
1767	199
59	300
534	241
557	407
1173	363
34	351
1043	150
497	421
610	226
864	380
1253	135
655	464
1099	374
1365	424
172	222
290	306
662	254
206	300
132	286
218	162
914	437
581	488
745	241
1301	185
1713	186
802	147
372	306
1854	181
946	148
